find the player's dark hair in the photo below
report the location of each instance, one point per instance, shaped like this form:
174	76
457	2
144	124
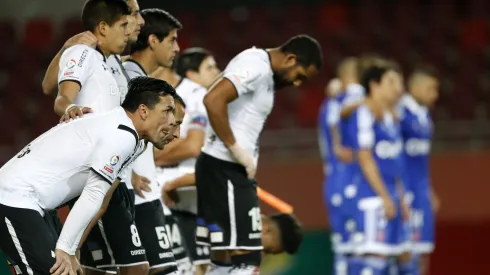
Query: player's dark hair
291	232
109	11
179	99
307	50
190	59
157	22
147	91
425	70
375	73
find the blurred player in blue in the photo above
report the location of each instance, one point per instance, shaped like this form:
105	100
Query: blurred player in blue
416	126
374	134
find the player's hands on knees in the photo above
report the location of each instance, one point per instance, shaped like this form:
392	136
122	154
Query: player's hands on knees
74	112
344	154
245	159
169	195
75	264
62	265
85	38
389	207
140	184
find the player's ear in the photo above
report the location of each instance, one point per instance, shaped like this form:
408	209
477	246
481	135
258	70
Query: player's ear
152	41
143	111
290	60
102	27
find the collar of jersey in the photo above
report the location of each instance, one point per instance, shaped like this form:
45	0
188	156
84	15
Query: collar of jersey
101	53
413	105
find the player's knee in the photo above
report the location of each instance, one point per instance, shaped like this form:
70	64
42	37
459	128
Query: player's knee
405	257
164	270
249	258
141	269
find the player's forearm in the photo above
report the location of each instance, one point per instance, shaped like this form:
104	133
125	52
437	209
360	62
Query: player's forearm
184	181
371	172
61	103
346	111
218	117
50	80
182	150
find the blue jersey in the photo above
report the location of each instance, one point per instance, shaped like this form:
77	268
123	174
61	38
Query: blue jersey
416	127
328	118
384	139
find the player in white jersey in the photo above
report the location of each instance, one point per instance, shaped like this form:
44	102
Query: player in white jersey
238	106
156	46
194	69
46	174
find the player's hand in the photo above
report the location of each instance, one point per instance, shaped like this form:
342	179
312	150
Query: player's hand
169	195
75	264
75	112
389	207
85	38
435	202
62	265
406	211
344	154
140	184
245	159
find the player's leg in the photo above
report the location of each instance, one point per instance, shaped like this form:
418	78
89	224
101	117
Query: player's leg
156	237
26	240
424	245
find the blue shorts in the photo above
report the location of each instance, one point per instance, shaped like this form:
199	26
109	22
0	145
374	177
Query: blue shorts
374	233
422	223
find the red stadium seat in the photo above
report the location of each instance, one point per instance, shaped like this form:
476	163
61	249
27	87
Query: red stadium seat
38	34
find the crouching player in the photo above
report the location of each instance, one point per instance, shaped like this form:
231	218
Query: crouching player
374	134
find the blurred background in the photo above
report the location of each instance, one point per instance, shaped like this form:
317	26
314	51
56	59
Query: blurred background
451	35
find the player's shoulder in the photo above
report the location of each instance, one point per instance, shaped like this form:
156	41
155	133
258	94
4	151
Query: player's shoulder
133	68
363	114
254	57
187	86
115	126
79	49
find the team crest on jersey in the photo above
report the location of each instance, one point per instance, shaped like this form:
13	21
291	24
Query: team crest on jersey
114	160
200	120
70	64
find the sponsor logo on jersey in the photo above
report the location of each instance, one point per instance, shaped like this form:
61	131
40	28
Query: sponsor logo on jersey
114	160
82	58
138	252
71	64
108	169
68	73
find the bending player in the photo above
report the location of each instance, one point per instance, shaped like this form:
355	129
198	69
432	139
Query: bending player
196	69
416	125
92	175
237	106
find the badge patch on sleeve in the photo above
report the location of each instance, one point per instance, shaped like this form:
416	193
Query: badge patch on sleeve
200	120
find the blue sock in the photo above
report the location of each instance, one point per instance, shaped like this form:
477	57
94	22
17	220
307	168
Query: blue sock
340	264
409	268
354	265
374	266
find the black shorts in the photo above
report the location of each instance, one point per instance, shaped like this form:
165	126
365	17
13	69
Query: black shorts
27	240
228	206
156	234
114	241
199	254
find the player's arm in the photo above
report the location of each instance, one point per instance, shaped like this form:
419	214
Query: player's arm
169	196
50	83
181	149
332	120
346	111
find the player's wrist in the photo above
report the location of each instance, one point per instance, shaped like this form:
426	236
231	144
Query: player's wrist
61	246
69	107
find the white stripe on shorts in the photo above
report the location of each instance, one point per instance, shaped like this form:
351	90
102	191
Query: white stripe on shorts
231	208
18	246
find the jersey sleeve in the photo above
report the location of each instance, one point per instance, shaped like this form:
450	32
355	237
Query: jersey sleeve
197	112
354	94
75	64
112	152
361	129
246	74
333	113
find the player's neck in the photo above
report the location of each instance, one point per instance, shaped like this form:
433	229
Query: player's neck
276	58
168	75
136	123
147	60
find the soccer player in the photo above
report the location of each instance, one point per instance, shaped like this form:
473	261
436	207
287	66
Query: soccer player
156	46
79	158
416	126
375	138
238	106
195	69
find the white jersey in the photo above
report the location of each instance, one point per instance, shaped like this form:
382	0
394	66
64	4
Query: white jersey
134	69
54	168
195	119
119	74
252	75
98	88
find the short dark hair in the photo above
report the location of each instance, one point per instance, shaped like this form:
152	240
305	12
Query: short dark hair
375	73
426	70
146	90
291	232
190	59
307	50
109	11
157	22
180	100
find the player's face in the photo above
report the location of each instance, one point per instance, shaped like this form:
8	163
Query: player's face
427	90
116	36
391	87
179	118
293	73
135	21
271	238
208	72
161	121
166	50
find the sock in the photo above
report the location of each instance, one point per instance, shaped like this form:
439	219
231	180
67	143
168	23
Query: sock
354	265
374	266
409	268
340	264
217	268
